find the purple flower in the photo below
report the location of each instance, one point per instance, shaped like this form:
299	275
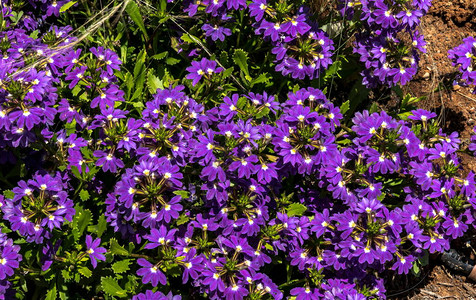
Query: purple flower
160	237
94	251
9	258
204	68
150	273
216	32
108	161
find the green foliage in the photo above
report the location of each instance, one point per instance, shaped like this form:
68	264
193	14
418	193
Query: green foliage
111	287
81	220
117	249
133	10
296	209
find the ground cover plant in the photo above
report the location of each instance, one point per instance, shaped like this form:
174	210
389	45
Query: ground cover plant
223	149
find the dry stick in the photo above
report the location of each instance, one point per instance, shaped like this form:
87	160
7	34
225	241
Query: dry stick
445	284
431	294
466	96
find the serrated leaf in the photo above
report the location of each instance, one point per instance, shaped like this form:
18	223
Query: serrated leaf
296	209
139	66
66	275
240	58
67	6
416	269
188	38
404	116
111	287
75	172
85	272
80	222
121	266
264	112
160	56
183	194
344	107
8	194
182	220
101	226
154	83
269	247
117	249
373	108
262	78
84	195
227	72
133	10
172	61
131	283
51	295
241	102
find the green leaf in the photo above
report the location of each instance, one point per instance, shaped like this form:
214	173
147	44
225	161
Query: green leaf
117	249
416	269
84	195
269	247
111	287
160	56
182	220
262	78
75	172
133	10
425	259
296	209
227	72
154	83
85	272
66	275
51	295
172	61
374	108
102	225
344	107
8	194
241	102
80	222
240	58
404	116
264	112
67	6
139	66
188	38
183	194
121	266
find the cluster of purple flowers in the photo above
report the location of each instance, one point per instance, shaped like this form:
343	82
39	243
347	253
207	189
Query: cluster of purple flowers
9	260
390	43
464	56
221	195
239	169
40	205
301	48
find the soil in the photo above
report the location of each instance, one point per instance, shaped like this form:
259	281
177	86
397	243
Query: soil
446	24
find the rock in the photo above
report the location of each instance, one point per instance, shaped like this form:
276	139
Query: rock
426	76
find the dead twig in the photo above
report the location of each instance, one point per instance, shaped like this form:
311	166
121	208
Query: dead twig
467	97
445	284
431	294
